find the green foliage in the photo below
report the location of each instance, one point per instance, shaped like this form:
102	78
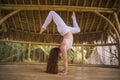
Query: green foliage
16	52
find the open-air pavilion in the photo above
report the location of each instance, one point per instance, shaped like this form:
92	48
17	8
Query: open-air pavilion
24	51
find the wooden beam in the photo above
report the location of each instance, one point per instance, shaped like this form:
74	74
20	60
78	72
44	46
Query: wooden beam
33	20
76	3
94	18
55	44
56	8
110	15
29	52
118	48
101	18
112	34
20	21
26	17
81	20
58	33
27	21
117	22
68	13
9	15
110	23
54	25
13	20
85	27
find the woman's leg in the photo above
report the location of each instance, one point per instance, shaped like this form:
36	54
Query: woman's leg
55	17
75	28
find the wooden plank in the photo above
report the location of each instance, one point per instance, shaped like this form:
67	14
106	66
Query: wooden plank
78	72
56	8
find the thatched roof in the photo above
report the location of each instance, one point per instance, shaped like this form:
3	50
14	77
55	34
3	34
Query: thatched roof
95	18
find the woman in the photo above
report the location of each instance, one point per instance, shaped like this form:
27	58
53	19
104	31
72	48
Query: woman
66	31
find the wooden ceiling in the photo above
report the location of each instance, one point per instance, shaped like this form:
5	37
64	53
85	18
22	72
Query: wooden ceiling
93	16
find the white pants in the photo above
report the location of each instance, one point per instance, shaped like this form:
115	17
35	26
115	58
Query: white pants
61	26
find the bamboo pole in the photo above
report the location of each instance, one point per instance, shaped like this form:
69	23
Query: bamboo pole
9	15
118	28
110	23
100	2
110	15
55	44
29	49
113	36
94	16
56	8
117	22
82	55
118	46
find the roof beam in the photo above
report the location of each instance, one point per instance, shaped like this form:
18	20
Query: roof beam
9	15
81	19
56	44
56	8
91	27
105	27
101	18
88	18
110	23
33	20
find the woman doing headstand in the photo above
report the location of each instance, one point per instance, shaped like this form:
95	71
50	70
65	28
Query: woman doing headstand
67	33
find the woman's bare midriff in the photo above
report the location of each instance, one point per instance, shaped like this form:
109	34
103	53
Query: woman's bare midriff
68	35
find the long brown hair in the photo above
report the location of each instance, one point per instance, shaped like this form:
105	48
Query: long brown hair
52	65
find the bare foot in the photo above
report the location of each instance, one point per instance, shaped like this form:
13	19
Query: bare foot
73	15
42	30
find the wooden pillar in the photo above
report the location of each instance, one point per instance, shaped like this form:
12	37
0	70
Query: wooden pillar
118	28
82	55
29	49
118	48
117	22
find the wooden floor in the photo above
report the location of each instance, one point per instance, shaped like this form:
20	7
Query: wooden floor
37	72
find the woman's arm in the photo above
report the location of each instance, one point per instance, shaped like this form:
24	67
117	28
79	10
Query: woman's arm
64	54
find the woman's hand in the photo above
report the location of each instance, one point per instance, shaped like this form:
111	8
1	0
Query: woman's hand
63	72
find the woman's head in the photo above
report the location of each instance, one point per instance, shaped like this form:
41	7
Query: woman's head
52	65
